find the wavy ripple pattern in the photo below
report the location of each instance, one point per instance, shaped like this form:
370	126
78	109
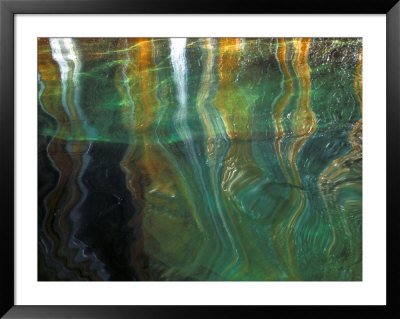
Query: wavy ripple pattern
200	159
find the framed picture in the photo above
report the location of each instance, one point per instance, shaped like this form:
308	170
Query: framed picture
171	159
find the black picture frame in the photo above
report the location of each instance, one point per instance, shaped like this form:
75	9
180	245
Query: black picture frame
8	8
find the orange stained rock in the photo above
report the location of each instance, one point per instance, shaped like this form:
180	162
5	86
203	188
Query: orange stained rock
304	122
282	102
145	84
229	59
304	126
358	82
229	100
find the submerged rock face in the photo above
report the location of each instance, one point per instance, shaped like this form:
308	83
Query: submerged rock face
200	159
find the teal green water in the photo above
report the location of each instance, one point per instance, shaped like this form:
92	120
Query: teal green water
213	159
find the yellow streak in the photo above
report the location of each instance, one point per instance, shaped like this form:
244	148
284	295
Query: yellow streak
281	104
304	118
228	68
304	124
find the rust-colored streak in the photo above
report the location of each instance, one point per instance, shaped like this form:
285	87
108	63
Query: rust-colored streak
229	102
358	82
146	84
282	102
138	164
304	118
304	125
229	60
